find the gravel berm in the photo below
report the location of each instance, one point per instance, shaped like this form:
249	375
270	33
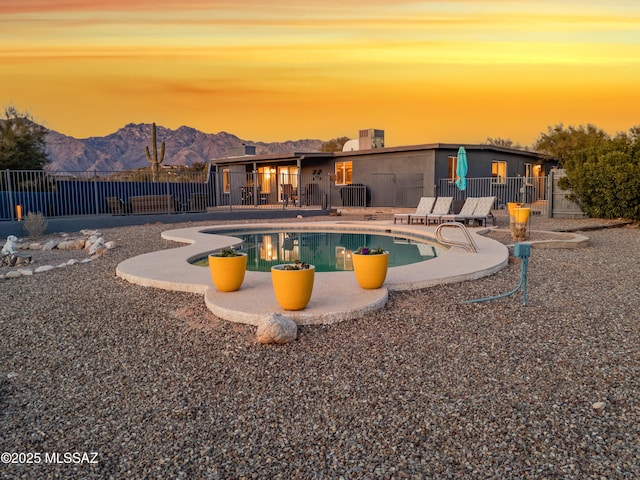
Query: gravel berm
428	387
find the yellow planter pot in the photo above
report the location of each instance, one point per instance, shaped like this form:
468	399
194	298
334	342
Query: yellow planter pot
521	214
292	288
511	206
370	270
227	273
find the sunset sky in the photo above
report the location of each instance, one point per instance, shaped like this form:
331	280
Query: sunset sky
422	71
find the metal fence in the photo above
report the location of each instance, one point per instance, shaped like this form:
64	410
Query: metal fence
380	190
531	191
271	190
172	191
63	194
560	204
59	194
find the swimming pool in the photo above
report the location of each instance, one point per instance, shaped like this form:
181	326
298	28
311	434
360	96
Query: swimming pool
329	251
336	295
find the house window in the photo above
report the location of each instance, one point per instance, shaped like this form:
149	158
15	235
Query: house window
226	180
453	166
499	171
344	173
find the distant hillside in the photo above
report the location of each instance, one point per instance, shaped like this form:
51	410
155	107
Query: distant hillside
125	149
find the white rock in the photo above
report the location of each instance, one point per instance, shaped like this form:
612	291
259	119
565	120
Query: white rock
12	274
276	328
95	246
43	268
10	246
92	240
79	244
72	261
598	406
35	246
62	265
25	271
110	245
63	245
50	245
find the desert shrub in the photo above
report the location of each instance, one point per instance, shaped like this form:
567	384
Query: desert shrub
35	224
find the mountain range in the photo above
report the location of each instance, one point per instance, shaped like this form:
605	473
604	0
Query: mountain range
125	149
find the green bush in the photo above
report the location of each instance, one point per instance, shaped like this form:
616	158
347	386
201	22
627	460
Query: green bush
602	172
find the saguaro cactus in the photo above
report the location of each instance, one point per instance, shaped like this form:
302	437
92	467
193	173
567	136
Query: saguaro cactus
155	160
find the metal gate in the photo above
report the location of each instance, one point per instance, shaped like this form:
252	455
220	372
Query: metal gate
560	205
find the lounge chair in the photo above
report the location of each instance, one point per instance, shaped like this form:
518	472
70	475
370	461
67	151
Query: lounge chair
441	208
466	211
483	211
480	214
422	210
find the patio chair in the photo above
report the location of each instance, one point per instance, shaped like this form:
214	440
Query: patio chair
422	210
289	193
483	211
440	209
466	211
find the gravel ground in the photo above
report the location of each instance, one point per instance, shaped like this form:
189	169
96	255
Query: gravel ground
428	387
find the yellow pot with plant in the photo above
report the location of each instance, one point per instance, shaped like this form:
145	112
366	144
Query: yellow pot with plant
521	217
522	214
370	266
227	267
293	284
512	206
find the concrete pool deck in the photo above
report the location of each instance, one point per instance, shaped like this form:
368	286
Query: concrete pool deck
336	295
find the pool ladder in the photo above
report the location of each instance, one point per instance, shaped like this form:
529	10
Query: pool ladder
469	245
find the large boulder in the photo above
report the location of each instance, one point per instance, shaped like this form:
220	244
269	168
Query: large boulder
277	328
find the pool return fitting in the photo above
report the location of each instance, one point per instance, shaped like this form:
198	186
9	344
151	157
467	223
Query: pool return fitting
522	251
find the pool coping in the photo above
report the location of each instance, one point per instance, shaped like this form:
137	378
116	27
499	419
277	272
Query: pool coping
169	269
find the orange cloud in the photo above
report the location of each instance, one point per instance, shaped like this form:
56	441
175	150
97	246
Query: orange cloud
296	68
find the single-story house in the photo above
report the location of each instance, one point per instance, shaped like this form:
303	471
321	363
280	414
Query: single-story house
385	176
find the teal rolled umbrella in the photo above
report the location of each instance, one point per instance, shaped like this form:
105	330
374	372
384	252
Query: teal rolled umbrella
461	169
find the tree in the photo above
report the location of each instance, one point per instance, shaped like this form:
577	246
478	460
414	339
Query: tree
22	142
602	172
502	142
564	144
334	145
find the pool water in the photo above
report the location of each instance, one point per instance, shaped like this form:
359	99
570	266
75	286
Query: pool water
328	251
